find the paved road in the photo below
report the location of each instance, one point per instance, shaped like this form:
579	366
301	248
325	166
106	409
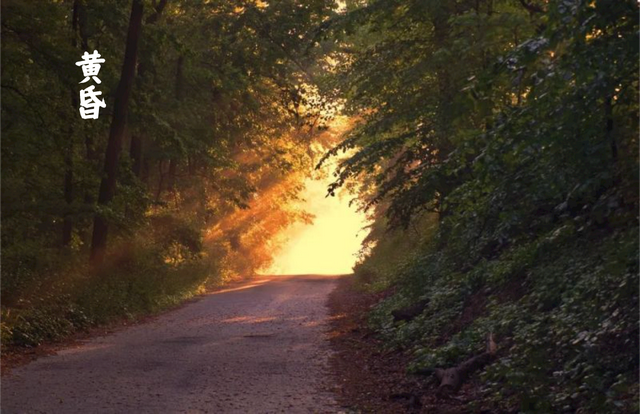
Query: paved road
259	348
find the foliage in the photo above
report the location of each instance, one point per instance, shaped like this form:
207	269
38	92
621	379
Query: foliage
385	253
516	123
222	130
143	276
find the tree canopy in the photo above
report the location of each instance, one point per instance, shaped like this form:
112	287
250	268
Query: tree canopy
211	109
494	144
500	140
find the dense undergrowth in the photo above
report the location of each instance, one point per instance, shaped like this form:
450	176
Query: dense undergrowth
563	309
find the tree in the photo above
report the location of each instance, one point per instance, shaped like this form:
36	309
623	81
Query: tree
116	133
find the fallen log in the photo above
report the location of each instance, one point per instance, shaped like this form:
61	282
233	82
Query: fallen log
451	379
410	312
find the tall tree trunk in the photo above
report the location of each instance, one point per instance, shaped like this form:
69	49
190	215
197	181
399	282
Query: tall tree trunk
135	152
116	133
171	176
67	222
444	109
136	146
80	30
179	87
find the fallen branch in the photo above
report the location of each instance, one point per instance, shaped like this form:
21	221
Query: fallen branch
451	379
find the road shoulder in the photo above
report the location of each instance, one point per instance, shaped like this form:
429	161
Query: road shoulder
368	378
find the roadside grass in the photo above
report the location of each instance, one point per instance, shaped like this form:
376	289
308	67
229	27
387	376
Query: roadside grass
49	294
71	296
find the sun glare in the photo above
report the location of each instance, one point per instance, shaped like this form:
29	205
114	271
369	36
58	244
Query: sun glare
330	244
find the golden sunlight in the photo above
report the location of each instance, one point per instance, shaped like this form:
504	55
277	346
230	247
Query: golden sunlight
330	244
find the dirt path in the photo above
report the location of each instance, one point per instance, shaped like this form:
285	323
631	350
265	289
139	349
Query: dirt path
371	379
258	348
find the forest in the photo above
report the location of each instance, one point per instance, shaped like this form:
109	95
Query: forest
183	182
492	144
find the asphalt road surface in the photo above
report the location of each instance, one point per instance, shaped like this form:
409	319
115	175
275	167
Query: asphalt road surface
256	348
